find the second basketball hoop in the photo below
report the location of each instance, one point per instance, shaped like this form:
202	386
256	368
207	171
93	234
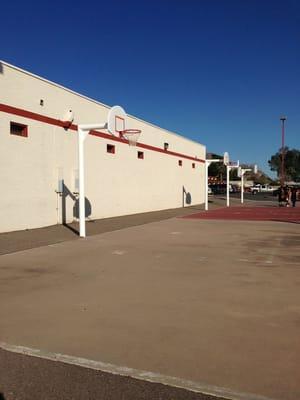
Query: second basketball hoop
116	124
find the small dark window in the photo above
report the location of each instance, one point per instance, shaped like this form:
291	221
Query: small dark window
18	129
166	146
193	165
110	148
180	163
140	154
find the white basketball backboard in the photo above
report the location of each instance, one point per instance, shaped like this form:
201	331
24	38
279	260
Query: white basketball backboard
226	158
116	120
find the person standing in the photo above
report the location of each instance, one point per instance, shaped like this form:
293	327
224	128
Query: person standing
287	195
281	196
294	196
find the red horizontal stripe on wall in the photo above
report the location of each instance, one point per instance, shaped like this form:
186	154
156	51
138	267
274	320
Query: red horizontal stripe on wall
53	121
34	116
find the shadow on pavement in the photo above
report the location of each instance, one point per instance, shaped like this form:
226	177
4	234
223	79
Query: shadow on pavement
34	378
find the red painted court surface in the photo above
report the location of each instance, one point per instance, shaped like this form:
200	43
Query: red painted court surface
280	214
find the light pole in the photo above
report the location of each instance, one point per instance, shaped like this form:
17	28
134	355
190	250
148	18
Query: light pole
282	169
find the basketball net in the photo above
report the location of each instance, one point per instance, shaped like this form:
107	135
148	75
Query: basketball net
132	135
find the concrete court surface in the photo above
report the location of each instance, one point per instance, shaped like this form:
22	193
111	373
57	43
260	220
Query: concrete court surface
11	242
209	301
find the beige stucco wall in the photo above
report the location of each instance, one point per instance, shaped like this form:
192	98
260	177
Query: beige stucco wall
116	184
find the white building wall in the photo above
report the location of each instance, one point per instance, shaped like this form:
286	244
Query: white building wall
116	184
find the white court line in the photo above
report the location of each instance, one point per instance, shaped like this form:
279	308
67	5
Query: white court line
12	253
270	257
134	373
119	252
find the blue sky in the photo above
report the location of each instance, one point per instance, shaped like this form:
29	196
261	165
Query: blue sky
220	72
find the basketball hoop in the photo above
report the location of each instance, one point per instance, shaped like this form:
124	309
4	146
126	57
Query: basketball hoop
132	135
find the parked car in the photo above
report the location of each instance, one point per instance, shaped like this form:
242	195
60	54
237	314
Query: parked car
262	189
219	188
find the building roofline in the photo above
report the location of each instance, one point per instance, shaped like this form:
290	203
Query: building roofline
92	100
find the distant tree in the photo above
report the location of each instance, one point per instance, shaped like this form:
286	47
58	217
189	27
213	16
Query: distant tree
217	169
263	179
291	163
259	178
234	175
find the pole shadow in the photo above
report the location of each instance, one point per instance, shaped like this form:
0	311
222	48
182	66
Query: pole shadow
64	195
186	197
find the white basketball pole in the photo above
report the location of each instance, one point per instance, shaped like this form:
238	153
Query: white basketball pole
242	187
228	169
81	138
207	164
227	185
83	131
243	171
